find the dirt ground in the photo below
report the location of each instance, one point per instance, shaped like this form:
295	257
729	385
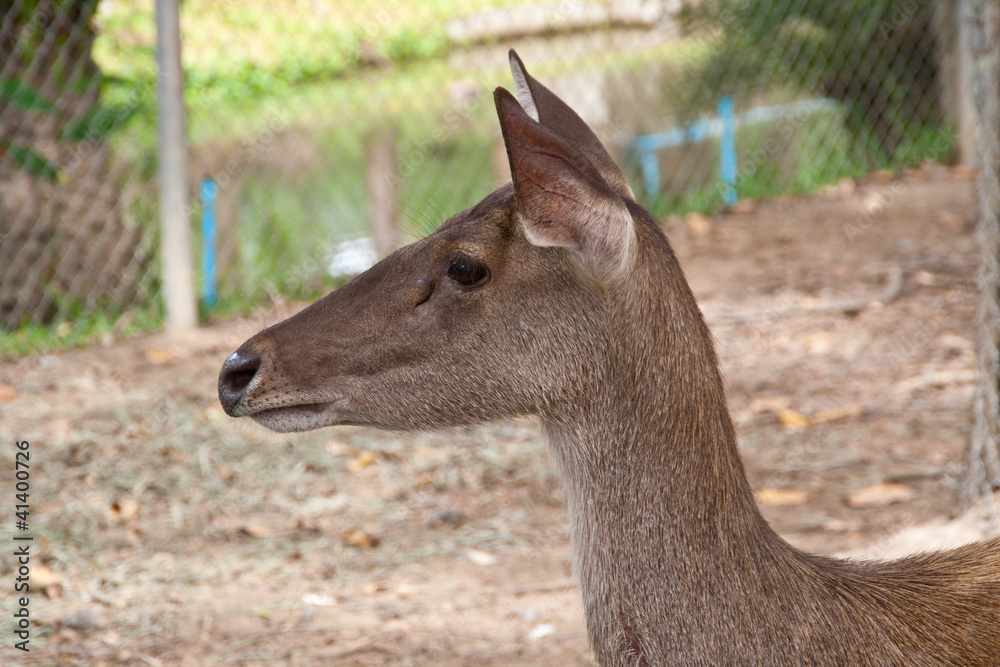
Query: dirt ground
169	534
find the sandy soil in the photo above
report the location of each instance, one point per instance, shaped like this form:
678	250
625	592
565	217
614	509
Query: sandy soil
169	534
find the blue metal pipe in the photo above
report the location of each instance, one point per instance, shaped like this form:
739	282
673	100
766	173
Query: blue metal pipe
209	193
710	128
727	150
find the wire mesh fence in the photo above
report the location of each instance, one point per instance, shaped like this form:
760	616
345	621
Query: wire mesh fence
69	246
983	469
323	134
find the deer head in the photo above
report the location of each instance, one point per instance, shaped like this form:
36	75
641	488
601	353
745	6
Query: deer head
506	310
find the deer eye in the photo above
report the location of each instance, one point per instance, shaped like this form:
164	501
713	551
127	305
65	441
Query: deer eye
465	271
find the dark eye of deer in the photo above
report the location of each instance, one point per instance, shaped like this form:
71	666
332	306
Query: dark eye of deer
465	271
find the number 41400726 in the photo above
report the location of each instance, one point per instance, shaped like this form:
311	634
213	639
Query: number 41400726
21	458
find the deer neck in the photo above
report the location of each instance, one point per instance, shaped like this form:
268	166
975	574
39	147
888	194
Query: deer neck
655	485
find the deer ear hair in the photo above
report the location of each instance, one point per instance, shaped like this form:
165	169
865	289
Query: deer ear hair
562	200
545	107
522	85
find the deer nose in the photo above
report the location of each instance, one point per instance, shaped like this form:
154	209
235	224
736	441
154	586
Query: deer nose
238	372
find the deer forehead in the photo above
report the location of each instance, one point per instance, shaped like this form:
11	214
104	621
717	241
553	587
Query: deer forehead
480	232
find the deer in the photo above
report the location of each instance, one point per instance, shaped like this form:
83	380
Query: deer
559	297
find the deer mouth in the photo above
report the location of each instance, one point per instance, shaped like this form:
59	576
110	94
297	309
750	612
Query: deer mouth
292	418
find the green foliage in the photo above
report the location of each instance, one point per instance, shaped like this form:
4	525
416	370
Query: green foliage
23	96
29	160
237	53
100	121
291	223
875	56
95	125
79	331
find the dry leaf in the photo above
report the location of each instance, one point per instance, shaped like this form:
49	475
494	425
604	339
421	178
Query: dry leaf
954	342
744	207
880	177
318	600
43	577
7	393
404	591
793	419
336	447
842	525
124	509
174	455
880	495
543	630
361	461
253	530
159	356
783	496
966	171
481	558
873	203
846	186
425	479
372	587
361	539
840	412
61	428
953	221
424	453
819	341
697	224
111	638
773	404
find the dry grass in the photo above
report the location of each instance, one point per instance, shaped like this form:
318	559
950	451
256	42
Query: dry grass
185	538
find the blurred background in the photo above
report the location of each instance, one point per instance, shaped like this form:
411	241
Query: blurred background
313	118
322	135
827	173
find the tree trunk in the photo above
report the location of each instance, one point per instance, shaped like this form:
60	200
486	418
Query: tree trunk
66	249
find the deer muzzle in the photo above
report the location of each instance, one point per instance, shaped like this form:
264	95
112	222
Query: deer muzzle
236	379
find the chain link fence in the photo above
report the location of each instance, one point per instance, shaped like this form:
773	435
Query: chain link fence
324	134
68	244
983	469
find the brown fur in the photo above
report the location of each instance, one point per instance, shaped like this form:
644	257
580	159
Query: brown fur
587	321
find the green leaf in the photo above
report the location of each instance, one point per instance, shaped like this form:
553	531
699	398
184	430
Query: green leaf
29	160
99	122
23	96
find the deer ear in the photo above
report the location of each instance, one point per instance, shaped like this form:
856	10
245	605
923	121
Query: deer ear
544	106
562	200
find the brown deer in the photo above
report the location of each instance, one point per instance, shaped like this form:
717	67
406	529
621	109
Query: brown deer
559	296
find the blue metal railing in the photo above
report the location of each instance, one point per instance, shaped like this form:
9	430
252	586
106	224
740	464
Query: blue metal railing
723	127
209	191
